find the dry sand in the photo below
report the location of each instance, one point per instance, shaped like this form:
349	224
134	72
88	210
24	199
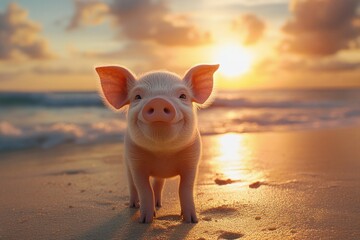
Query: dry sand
290	185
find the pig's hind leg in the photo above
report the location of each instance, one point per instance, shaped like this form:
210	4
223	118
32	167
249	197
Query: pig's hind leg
134	197
158	184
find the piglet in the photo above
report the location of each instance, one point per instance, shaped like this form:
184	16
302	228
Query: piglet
162	139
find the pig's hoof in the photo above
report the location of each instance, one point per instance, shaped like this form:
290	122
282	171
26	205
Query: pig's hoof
158	204
146	217
190	217
134	204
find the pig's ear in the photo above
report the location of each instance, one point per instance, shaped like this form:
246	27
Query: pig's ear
200	78
115	82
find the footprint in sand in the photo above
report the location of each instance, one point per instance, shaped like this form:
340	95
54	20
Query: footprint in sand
221	210
69	172
230	235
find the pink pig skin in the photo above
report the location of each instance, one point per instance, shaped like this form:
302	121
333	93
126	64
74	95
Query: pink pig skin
162	138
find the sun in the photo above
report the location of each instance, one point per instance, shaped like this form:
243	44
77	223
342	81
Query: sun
234	60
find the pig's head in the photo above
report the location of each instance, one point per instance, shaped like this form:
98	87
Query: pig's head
162	106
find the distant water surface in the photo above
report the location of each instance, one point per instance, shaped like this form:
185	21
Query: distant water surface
45	120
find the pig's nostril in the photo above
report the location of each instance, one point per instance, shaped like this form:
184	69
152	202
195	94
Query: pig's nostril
166	110
150	111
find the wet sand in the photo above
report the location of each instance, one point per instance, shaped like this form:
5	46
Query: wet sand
284	185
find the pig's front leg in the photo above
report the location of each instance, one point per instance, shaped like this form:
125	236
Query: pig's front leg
186	192
142	183
134	198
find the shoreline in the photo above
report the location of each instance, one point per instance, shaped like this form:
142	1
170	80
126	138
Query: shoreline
4	154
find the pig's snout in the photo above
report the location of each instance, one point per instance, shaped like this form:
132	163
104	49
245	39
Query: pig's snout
158	110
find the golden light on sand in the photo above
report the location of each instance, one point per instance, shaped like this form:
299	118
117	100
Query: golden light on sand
231	154
234	158
229	145
234	60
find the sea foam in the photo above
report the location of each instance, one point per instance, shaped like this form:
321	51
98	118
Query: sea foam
46	120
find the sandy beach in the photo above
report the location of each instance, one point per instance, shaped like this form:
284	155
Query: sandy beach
273	88
283	185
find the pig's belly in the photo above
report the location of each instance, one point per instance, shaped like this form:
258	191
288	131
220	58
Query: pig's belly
164	170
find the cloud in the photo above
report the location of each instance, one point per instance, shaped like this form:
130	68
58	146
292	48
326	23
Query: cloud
334	66
322	27
41	70
136	51
142	20
88	13
251	27
138	55
47	70
152	20
302	65
9	75
252	2
19	36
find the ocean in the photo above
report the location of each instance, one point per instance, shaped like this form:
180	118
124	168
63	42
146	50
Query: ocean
45	120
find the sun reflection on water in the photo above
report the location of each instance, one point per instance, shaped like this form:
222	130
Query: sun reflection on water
231	155
230	146
233	158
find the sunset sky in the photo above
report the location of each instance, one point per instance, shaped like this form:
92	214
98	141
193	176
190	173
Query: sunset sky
54	45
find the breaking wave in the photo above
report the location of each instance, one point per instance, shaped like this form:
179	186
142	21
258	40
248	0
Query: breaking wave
45	120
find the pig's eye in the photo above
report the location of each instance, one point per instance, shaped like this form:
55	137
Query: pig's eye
182	96
137	97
